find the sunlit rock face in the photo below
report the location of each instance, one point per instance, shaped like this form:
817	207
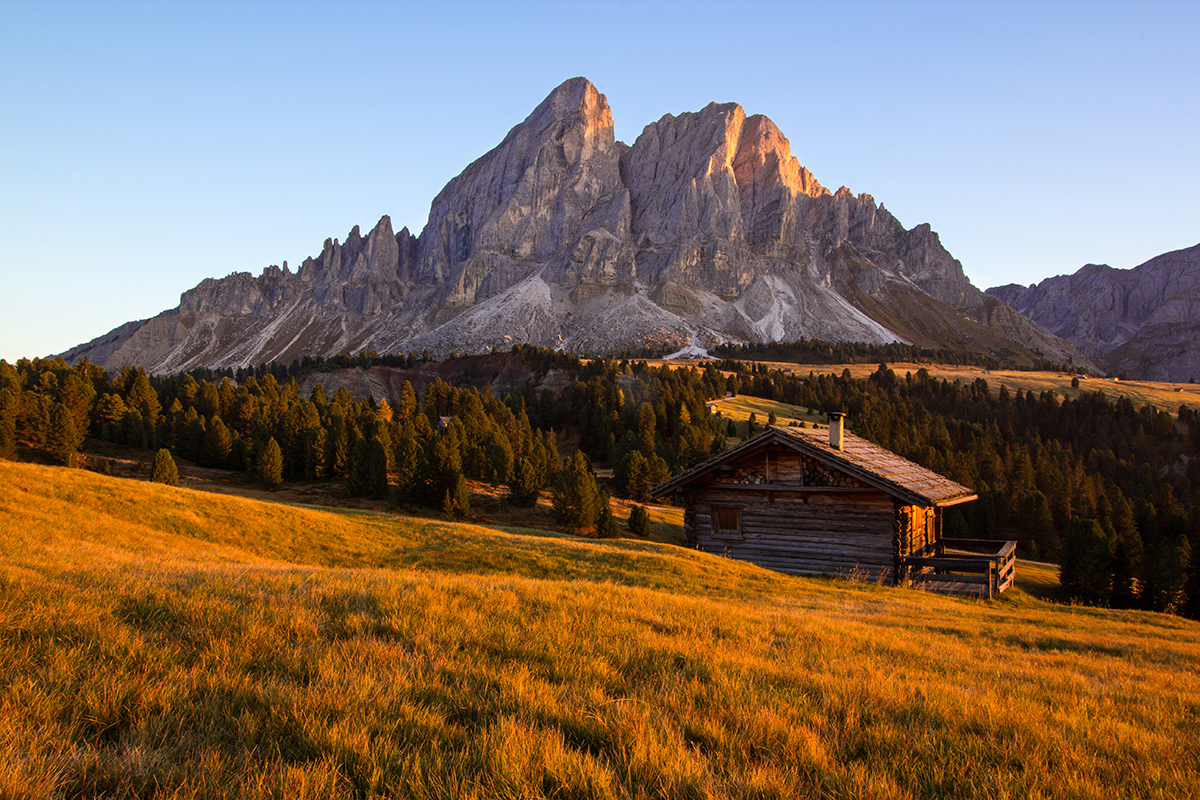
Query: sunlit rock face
1144	321
706	230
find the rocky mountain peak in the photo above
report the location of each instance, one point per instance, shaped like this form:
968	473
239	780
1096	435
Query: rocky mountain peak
577	97
705	229
554	175
764	154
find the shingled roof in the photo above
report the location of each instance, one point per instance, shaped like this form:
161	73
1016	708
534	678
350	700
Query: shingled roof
875	466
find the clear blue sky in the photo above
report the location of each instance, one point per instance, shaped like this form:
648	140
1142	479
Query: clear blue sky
147	146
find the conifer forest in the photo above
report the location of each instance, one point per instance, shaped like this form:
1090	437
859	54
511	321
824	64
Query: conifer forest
1108	490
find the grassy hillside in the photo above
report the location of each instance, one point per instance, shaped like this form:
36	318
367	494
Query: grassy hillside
168	643
1165	396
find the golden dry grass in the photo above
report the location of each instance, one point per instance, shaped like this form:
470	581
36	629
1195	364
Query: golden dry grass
168	643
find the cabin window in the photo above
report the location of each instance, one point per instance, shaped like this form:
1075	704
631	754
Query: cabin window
727	521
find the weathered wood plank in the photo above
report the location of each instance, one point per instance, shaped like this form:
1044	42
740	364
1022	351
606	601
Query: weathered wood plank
867	556
791	487
813	552
953	564
800	499
795	538
955	577
815	558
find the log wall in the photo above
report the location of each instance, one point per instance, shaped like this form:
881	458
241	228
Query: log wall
801	532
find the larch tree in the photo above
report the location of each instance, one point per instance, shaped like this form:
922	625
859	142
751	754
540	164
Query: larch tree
270	464
164	469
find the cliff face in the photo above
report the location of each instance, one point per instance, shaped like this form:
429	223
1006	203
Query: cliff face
706	229
1143	321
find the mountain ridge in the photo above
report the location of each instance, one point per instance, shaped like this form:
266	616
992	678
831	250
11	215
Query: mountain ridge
706	229
1143	321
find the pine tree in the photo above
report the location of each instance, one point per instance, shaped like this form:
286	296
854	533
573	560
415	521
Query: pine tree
357	478
338	441
639	522
368	468
168	426
1034	522
8	421
657	471
460	497
143	397
1085	571
164	470
33	419
575	499
1166	567
409	460
270	464
523	487
630	476
62	438
1116	518
550	460
110	410
1123	572
606	524
191	435
499	457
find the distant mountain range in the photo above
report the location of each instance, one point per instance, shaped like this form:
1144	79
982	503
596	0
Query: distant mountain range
1144	322
705	230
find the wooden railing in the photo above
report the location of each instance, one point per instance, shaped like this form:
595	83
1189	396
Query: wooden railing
995	567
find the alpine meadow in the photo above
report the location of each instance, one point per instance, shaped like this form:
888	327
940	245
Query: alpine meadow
163	642
649	445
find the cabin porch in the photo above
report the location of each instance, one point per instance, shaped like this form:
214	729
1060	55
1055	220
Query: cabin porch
976	567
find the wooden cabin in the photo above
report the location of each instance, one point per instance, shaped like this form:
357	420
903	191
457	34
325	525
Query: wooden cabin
812	502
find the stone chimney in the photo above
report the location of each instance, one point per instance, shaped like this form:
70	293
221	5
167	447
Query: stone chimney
835	429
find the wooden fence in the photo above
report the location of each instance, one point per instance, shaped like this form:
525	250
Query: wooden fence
993	568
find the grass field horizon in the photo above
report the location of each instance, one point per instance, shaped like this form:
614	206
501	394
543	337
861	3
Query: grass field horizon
171	643
1167	396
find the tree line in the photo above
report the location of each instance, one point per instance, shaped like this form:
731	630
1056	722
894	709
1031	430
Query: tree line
820	351
1108	489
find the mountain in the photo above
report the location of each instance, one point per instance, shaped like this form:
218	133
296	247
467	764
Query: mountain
1143	321
705	230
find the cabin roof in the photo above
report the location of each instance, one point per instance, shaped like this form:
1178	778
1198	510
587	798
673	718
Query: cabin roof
875	466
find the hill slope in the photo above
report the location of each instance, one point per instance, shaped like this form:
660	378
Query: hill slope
707	229
162	641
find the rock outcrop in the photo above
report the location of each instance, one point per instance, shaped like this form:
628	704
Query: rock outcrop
1144	322
707	229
